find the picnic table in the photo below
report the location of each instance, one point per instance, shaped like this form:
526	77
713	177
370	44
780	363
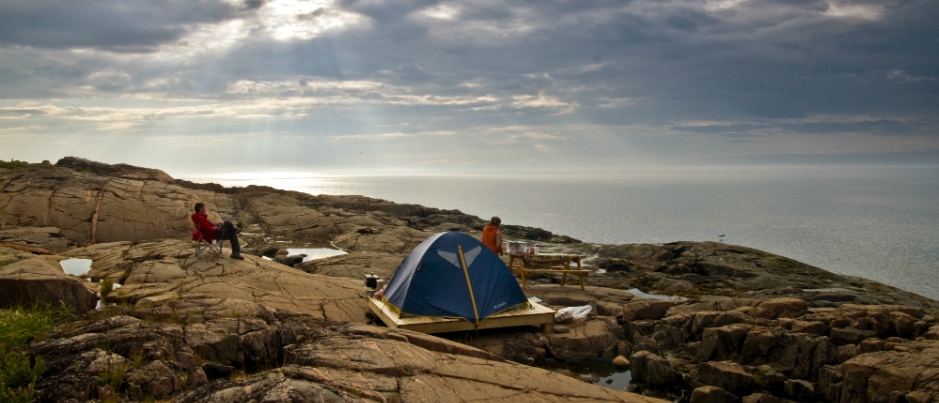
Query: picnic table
525	264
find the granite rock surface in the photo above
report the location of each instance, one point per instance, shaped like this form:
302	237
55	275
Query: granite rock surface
729	324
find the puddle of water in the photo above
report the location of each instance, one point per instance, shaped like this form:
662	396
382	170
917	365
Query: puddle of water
314	253
616	380
100	303
636	292
596	373
76	267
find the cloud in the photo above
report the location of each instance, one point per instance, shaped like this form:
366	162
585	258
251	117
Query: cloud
388	135
857	11
860	125
902	76
599	78
441	161
108	24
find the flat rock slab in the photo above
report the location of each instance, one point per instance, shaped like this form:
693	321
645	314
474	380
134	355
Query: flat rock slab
168	270
49	238
342	367
574	296
391	240
355	265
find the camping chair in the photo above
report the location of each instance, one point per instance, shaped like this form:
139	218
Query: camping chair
203	246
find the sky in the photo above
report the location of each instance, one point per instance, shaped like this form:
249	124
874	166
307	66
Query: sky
374	86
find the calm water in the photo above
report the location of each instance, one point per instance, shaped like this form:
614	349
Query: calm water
314	253
76	267
603	374
876	222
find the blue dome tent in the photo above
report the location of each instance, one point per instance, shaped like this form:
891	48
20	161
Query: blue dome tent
453	274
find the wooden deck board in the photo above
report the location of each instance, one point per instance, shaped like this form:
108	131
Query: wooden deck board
537	315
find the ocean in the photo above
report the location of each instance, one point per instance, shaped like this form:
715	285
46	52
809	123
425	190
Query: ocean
876	222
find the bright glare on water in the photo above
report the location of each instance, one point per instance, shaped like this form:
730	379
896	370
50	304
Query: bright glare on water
876	222
76	267
314	253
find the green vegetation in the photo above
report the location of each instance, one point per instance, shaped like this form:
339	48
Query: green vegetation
124	276
758	379
20	325
238	376
107	285
136	358
13	165
113	377
19	372
184	380
21	164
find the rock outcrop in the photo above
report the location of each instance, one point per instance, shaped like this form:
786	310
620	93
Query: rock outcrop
31	274
93	202
701	269
852	353
117	170
47	240
743	325
197	352
30	280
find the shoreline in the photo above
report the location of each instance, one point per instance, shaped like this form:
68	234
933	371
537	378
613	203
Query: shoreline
845	244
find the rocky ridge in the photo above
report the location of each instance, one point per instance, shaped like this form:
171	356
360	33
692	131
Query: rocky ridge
218	329
749	325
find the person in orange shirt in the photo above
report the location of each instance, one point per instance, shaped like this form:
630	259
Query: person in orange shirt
492	236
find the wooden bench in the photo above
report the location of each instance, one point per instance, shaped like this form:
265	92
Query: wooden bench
525	265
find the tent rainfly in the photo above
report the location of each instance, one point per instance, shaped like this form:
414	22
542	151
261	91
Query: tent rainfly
455	275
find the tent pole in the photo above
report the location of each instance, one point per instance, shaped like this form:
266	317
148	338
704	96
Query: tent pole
468	284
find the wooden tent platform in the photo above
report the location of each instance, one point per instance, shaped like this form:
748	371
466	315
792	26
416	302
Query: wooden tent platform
537	315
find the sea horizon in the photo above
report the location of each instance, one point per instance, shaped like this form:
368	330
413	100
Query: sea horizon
871	221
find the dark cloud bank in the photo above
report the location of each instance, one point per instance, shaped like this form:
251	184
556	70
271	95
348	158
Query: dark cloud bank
756	67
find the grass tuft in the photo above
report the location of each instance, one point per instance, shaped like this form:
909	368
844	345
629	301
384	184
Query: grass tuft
20	325
19	371
113	377
107	285
238	376
136	358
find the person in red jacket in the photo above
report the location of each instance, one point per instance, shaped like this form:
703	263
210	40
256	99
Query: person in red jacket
492	236
225	231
